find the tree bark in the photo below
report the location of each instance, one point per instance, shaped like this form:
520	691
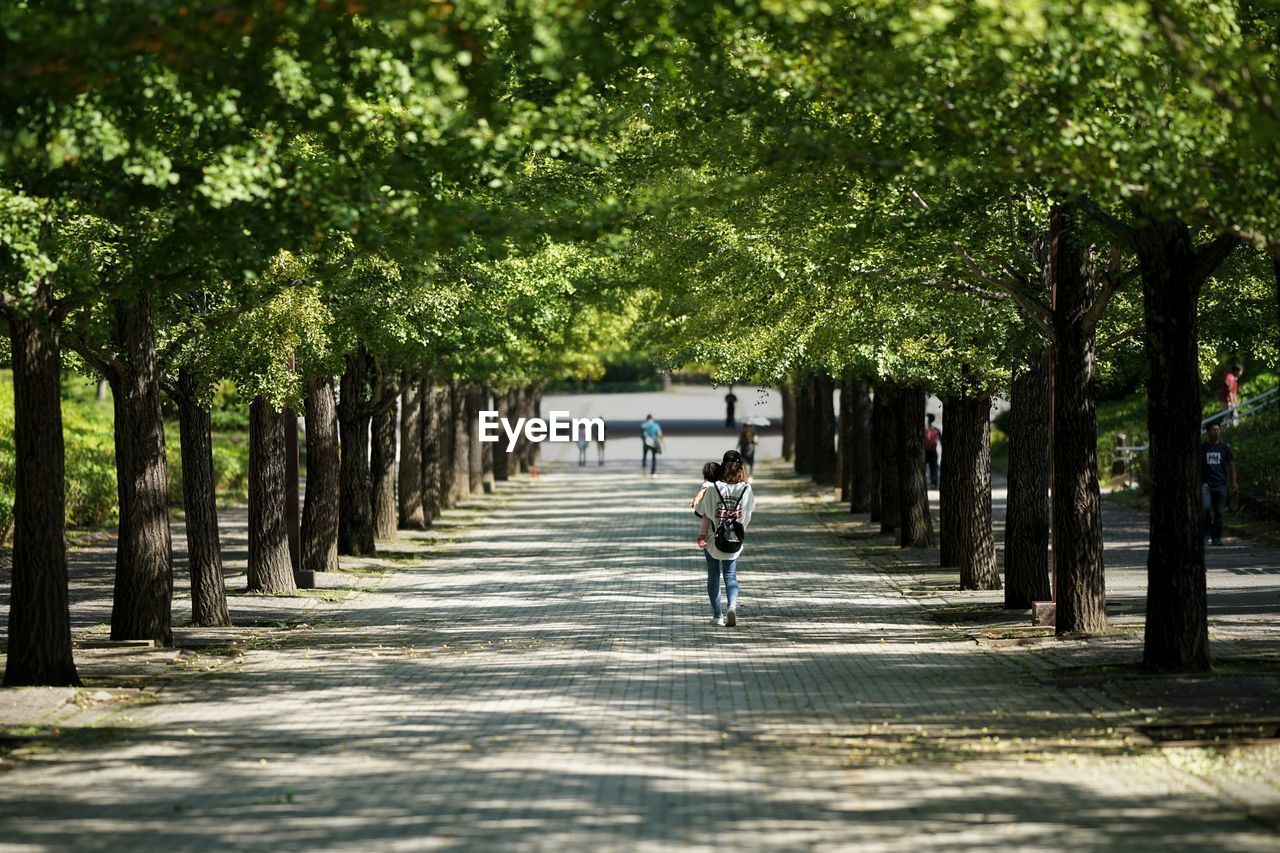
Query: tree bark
461	480
875	458
39	641
804	447
429	425
886	442
355	520
825	471
141	607
844	438
969	457
409	491
950	508
501	459
1026	526
383	461
1177	628
320	515
270	567
200	503
1077	516
916	527
475	450
446	431
859	455
788	422
519	409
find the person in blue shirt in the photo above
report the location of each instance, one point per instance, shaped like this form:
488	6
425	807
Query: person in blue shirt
651	435
1217	481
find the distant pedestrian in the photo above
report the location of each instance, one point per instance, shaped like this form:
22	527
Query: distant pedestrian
600	445
582	449
651	436
747	442
932	438
726	509
730	400
1229	395
1217	481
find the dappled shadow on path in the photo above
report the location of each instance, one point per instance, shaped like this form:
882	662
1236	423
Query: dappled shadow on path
550	679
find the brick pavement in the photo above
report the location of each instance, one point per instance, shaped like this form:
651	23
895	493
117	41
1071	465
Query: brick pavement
539	680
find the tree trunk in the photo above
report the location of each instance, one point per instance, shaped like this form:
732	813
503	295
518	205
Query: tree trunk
804	437
499	455
200	503
1077	516
533	409
886	443
141	608
875	458
448	432
461	480
1026	525
487	476
429	425
844	438
1177	629
825	472
383	462
39	641
788	422
518	410
409	491
270	568
475	450
950	508
859	456
355	519
320	515
916	527
969	458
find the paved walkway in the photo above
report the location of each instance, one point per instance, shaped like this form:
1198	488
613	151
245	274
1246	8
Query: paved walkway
540	673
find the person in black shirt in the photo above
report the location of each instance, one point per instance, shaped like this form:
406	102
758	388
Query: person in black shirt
1217	481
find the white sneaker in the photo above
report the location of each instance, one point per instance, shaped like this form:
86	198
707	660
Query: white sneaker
731	618
718	621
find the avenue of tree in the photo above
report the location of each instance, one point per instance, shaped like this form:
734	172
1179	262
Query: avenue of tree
386	217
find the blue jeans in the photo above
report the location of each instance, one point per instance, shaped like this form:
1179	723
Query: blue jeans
714	569
1215	506
644	456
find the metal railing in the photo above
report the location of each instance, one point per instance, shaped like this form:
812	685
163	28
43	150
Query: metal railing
1246	408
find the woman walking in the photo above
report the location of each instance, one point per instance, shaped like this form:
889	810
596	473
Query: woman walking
726	510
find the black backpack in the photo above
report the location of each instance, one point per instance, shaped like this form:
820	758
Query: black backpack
730	533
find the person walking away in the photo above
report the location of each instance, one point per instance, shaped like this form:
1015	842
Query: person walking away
932	438
1230	393
729	400
729	503
651	435
582	449
1217	481
747	442
600	445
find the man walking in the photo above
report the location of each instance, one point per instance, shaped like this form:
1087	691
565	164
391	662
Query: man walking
730	400
1230	394
651	435
932	438
1217	481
